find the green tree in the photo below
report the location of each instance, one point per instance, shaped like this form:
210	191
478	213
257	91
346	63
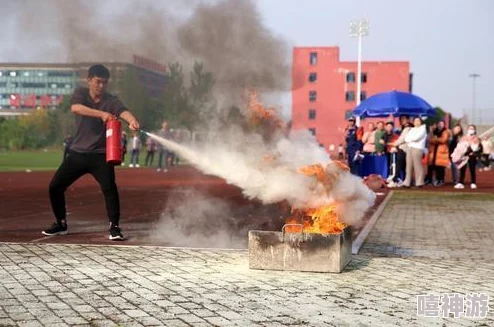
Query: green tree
38	128
200	91
11	134
175	101
64	120
440	115
136	98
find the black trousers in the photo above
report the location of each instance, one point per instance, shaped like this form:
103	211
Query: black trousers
149	158
472	164
440	172
401	165
74	167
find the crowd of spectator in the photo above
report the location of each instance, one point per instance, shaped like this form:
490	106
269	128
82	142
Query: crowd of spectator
418	155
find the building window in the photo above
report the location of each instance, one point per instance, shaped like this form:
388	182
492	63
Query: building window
363	77
312	96
348	114
312	131
312	77
13	74
34	85
56	73
313	58
312	114
363	96
349	96
350	77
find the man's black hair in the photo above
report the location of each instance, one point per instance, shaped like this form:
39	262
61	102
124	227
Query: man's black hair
98	71
390	123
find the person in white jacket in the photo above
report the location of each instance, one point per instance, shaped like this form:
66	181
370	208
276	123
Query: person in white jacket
415	140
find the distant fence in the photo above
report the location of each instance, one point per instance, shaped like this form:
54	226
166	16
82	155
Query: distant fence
480	116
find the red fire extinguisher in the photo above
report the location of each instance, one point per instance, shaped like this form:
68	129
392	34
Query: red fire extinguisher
113	142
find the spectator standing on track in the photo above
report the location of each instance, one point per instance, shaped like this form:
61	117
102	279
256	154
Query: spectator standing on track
401	150
456	135
438	156
466	154
124	147
368	140
353	146
92	107
136	147
150	150
415	140
380	144
390	137
164	153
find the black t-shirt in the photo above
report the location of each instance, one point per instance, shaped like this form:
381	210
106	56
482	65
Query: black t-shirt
90	134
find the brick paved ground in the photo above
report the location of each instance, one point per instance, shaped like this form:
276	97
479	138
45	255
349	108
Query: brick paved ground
435	225
81	285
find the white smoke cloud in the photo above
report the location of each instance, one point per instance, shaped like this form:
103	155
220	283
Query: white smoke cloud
193	219
243	160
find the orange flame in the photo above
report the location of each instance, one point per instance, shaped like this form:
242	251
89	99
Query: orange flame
259	113
323	219
317	171
316	220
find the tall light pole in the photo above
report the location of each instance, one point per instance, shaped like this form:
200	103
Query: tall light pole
359	29
474	78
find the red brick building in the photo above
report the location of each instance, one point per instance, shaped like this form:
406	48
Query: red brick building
324	89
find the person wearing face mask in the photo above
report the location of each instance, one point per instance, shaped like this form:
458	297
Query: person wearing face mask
466	154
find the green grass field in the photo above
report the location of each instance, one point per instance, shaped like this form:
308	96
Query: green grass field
33	160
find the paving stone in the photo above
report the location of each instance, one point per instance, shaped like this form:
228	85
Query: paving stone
135	313
7	322
219	321
30	323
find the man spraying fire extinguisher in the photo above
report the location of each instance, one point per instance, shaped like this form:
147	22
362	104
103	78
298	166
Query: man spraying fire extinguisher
94	109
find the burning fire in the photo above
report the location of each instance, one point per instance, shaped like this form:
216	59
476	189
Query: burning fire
322	219
260	114
315	220
309	220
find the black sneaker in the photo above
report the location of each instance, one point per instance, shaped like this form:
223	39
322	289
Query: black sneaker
116	233
56	229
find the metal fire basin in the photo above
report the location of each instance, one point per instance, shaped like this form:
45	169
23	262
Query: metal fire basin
272	250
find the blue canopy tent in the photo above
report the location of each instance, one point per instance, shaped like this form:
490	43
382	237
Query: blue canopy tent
393	103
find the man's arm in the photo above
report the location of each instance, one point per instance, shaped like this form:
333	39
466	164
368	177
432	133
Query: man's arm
131	120
83	110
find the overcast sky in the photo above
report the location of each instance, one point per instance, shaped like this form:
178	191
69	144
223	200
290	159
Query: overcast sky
444	40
